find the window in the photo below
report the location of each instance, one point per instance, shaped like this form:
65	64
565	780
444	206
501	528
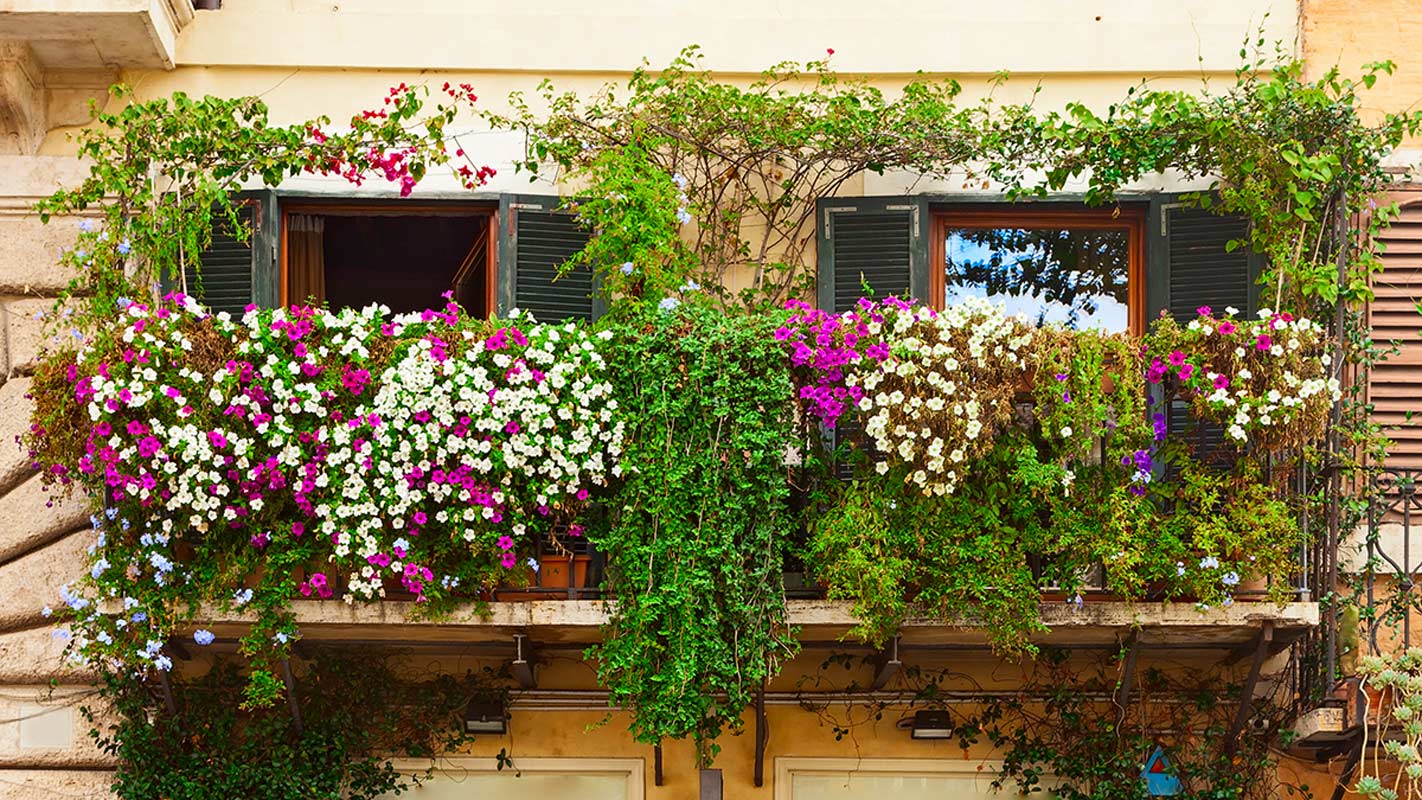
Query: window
495	255
873	778
401	255
457	778
1076	266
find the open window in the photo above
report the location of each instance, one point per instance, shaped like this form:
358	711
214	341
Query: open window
494	255
404	256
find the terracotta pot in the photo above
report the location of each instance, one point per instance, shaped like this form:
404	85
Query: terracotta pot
563	572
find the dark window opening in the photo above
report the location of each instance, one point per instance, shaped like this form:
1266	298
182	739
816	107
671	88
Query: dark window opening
405	261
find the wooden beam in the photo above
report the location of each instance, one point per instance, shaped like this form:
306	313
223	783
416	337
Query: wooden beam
1246	701
657	776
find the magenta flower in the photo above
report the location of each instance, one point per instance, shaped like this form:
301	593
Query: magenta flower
505	543
1221	381
1176	358
1227	328
1263	342
1203	311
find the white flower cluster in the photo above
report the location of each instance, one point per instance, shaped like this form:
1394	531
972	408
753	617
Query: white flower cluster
944	390
475	444
466	436
1275	379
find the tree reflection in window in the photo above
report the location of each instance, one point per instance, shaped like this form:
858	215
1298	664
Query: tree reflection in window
1077	277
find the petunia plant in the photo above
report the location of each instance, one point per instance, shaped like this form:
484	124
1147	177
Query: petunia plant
240	462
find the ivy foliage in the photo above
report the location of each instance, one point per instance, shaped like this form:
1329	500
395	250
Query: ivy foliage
356	714
700	527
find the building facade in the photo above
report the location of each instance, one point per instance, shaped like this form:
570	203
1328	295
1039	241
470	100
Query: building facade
307	57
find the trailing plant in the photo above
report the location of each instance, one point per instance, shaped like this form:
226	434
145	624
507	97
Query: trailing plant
300	450
355	715
1266	382
700	525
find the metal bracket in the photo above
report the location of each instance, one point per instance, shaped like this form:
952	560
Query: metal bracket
1246	700
520	667
889	666
291	700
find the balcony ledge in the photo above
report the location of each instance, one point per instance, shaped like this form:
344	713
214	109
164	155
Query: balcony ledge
820	622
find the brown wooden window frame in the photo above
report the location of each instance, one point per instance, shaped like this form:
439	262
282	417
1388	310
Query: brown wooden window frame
1131	219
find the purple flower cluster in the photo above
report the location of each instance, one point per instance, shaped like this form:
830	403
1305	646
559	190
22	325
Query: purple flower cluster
824	345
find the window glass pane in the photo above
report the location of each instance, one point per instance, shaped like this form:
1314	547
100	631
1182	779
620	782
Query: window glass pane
1071	276
455	785
875	786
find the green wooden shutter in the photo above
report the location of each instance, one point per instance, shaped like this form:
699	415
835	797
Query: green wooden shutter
231	273
875	241
1189	267
879	241
535	239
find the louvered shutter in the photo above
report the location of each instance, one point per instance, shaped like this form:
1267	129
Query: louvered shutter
232	272
876	241
1395	384
1191	266
535	239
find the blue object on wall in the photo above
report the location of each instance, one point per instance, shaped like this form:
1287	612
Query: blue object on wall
1160	781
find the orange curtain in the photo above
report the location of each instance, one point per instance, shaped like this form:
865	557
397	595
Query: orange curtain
305	259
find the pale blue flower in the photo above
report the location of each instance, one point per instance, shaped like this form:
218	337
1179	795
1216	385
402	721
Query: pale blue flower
46	612
690	286
1230	579
203	636
669	304
124	248
104	637
242	597
683	216
281	637
163	663
628	267
86	225
98	568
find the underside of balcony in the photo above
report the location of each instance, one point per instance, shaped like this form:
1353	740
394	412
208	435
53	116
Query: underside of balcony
820	622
